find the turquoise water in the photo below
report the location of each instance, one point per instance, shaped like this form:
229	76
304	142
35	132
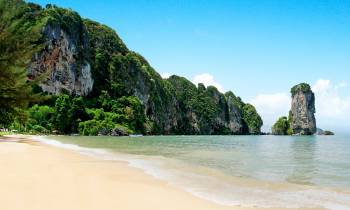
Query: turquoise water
226	168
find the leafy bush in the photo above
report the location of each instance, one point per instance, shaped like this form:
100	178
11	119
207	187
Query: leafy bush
41	116
69	112
102	123
39	129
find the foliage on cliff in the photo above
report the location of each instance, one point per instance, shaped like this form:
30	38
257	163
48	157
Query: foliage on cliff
252	119
303	87
282	127
128	95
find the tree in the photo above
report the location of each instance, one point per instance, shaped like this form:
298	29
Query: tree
69	112
131	109
77	113
15	91
16	49
62	121
102	122
41	115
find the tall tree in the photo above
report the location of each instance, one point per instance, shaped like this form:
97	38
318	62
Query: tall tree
16	49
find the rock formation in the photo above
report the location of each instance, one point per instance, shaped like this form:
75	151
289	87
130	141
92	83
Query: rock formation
321	132
62	61
234	113
84	58
303	120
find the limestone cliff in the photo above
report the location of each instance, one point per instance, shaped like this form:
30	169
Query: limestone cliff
204	110
234	114
61	62
303	120
85	58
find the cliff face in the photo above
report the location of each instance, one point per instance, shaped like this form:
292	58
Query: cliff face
62	61
204	110
234	115
86	58
303	120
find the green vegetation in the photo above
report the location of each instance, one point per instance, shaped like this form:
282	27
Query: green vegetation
40	116
16	49
20	37
208	104
68	113
105	44
303	87
67	19
76	114
128	95
282	127
252	119
3	133
103	123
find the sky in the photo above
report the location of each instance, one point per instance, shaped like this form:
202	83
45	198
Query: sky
258	49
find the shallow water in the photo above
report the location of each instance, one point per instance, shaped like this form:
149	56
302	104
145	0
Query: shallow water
264	171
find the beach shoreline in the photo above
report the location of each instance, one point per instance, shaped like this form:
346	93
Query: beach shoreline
39	176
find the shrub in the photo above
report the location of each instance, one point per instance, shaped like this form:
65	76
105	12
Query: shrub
39	129
41	115
103	123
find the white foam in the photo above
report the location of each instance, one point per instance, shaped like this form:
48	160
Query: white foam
99	153
216	190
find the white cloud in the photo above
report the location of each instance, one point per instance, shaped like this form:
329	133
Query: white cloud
341	85
165	75
321	86
332	109
207	80
271	107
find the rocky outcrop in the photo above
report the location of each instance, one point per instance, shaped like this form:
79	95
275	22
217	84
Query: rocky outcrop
234	114
323	132
61	63
302	115
118	131
204	110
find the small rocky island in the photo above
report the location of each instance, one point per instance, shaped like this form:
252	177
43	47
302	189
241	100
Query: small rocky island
301	119
302	113
324	133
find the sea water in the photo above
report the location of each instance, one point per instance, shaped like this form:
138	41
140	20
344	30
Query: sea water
251	171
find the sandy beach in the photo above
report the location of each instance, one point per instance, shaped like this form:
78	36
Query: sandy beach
37	176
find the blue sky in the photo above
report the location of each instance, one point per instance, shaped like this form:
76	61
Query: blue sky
257	48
